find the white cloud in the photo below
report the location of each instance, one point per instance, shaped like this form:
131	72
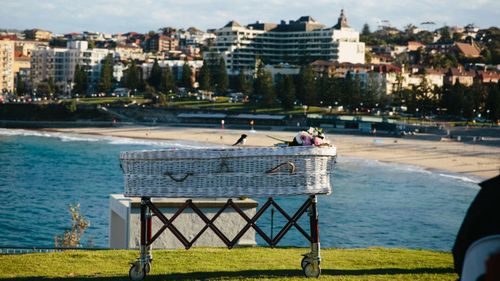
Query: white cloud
126	15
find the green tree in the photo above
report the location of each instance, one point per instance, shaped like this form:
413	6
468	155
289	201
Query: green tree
131	78
221	79
51	87
493	102
285	90
80	80
242	84
155	75
263	86
20	85
424	97
186	76
366	30
306	90
204	77
444	32
106	79
167	84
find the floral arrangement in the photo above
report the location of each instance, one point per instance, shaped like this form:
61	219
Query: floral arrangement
313	137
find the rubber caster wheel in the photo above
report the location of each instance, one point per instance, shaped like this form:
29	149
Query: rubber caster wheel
311	270
135	273
147	267
304	262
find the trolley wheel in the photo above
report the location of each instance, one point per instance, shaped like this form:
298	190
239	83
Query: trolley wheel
312	270
147	267
304	262
136	273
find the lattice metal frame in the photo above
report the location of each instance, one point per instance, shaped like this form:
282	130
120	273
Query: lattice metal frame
310	262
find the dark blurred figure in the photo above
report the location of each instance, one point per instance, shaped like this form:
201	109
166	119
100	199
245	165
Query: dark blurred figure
482	219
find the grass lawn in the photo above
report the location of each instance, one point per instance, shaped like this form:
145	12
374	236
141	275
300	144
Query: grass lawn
238	264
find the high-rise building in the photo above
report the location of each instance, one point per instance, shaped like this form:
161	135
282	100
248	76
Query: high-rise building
6	66
295	42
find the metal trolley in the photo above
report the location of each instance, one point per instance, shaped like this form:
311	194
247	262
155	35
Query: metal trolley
310	167
310	262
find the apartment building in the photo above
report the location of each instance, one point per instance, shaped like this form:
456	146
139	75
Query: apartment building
38	34
6	66
59	64
296	42
161	44
129	52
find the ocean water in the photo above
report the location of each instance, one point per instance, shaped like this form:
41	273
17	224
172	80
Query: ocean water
372	204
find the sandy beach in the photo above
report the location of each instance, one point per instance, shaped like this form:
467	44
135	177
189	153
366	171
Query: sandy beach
474	160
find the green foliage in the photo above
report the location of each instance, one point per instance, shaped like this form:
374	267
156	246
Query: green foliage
186	81
263	86
70	106
167	84
204	77
221	79
242	83
51	88
285	90
258	263
131	77
21	87
351	95
444	32
493	102
106	79
305	88
366	30
80	80
155	76
491	51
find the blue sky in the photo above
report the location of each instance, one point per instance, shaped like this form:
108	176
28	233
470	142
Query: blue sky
114	16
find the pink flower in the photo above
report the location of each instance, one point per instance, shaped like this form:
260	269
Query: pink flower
318	141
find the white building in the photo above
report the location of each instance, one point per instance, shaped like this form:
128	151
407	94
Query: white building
295	42
59	63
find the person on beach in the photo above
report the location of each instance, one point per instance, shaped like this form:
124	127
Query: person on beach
482	219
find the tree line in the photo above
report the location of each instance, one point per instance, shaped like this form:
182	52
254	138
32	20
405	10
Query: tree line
353	92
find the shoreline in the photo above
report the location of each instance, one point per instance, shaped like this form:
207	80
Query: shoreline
478	161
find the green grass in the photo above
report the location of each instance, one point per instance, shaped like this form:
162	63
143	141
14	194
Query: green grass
238	264
110	100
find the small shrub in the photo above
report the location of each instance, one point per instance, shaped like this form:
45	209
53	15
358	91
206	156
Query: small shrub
71	237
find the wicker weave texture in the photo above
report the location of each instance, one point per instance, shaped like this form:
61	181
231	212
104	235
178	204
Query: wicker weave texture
231	172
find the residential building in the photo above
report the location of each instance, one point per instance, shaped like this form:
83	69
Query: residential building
459	75
468	50
6	66
295	42
337	69
161	44
38	34
487	77
414	45
129	52
60	63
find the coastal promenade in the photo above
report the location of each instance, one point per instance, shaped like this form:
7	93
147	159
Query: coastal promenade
471	159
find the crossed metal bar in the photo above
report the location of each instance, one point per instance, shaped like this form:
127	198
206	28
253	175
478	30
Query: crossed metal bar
209	223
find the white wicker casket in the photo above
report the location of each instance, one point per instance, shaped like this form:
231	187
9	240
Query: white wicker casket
228	172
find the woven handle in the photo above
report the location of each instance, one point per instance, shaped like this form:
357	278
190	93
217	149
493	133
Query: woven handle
277	168
171	176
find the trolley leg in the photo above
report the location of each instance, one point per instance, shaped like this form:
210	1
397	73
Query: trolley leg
142	266
311	261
